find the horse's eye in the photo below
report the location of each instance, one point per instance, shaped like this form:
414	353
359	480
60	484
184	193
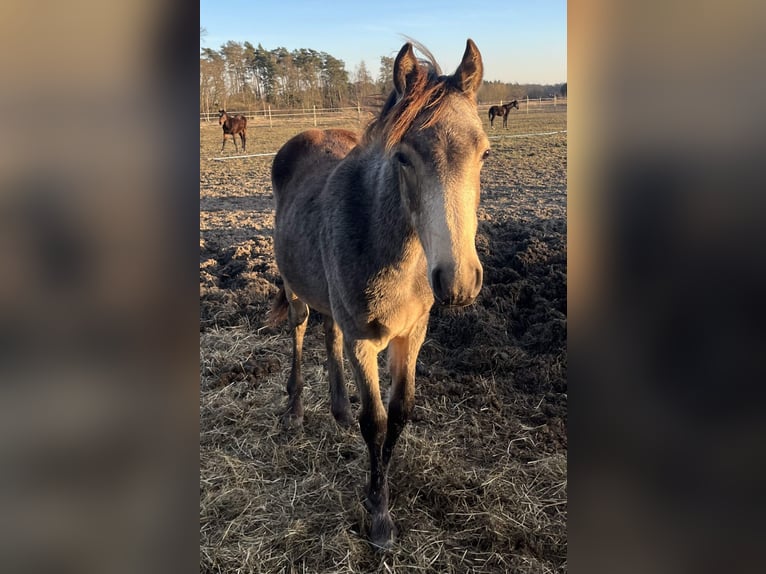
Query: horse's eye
485	155
402	159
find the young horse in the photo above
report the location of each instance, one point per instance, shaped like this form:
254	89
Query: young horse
502	111
370	233
233	125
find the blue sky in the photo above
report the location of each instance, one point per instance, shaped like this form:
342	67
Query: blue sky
520	41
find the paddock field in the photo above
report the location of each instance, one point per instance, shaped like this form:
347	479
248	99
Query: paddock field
478	480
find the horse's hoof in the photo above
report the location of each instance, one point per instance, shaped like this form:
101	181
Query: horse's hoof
344	419
421	370
292	421
382	532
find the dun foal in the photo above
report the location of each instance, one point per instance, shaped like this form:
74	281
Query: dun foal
233	125
370	232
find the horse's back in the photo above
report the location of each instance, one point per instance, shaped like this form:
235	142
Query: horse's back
299	173
310	153
234	124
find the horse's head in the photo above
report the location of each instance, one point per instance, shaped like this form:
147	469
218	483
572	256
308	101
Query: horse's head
437	146
222	116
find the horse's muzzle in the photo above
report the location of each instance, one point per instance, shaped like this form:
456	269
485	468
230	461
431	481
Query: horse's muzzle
456	291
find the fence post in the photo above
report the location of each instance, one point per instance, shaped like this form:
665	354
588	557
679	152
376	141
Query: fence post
270	124
359	112
527	103
315	116
554	102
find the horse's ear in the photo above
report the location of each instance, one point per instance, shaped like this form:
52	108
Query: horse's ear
405	68
470	71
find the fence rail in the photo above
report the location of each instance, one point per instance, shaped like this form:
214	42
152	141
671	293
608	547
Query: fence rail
269	115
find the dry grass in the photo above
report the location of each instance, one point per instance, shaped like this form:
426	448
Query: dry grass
478	479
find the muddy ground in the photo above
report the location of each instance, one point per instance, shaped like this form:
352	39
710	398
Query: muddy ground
478	481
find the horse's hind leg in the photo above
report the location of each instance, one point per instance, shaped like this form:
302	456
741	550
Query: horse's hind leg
243	138
297	316
339	403
234	139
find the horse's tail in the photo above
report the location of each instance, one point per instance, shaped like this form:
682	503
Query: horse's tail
279	309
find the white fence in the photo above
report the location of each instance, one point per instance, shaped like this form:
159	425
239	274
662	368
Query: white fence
316	115
276	115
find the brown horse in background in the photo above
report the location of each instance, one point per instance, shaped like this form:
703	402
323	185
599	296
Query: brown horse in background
502	111
233	125
370	233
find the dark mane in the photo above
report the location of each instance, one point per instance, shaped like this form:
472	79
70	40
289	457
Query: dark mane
426	92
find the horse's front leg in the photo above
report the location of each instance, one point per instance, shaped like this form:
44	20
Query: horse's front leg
223	145
363	357
402	359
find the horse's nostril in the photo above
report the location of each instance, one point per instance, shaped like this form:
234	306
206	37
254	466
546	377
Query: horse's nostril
477	285
436	283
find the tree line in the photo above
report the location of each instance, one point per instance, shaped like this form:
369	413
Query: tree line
243	76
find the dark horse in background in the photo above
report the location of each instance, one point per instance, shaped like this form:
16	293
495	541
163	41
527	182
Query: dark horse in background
233	125
370	232
502	111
